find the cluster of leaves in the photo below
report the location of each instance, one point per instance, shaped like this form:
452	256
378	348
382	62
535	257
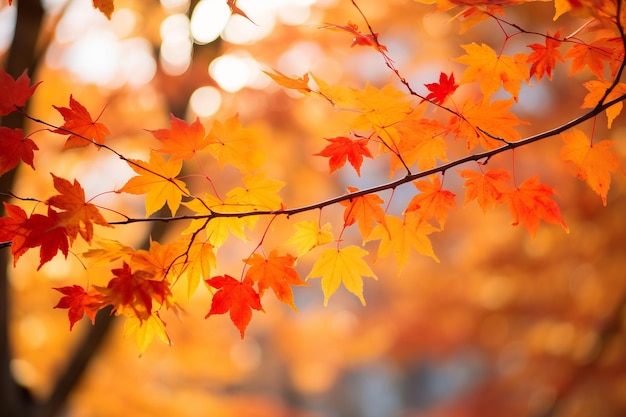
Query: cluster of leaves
412	130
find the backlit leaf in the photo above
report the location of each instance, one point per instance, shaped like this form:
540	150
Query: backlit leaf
239	298
342	266
80	126
14	93
181	140
594	161
310	234
13	147
343	148
486	188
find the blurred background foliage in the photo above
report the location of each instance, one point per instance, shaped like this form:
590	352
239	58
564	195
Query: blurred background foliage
503	326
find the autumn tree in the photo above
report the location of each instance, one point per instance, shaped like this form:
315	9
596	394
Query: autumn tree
246	213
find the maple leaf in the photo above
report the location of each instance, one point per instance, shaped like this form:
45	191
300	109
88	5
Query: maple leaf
80	126
47	233
492	118
301	84
145	330
181	140
486	188
105	251
432	201
200	261
543	58
12	229
401	235
13	147
597	90
358	38
441	90
380	108
105	6
78	215
594	161
310	234
133	292
275	272
230	143
493	70
78	302
365	209
156	179
14	93
594	55
530	203
343	148
237	297
160	259
337	266
258	193
217	228
421	140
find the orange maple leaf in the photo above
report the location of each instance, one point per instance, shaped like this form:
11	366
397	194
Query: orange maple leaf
78	215
483	121
14	93
342	149
530	203
181	140
492	70
275	272
595	54
364	209
594	161
237	297
543	58
301	84
157	179
432	201
486	188
597	90
79	302
105	6
80	126
13	147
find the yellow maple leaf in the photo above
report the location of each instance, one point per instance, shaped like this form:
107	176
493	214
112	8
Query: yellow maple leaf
401	235
157	179
309	234
258	194
337	266
145	330
218	228
200	261
494	70
232	144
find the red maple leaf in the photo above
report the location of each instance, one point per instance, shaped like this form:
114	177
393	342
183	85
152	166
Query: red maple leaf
79	302
78	215
544	57
13	147
367	39
342	148
14	93
135	290
441	90
182	140
80	126
237	297
47	233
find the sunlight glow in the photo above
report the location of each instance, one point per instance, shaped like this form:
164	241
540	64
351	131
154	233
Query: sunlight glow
175	6
176	45
205	101
234	72
7	26
208	20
